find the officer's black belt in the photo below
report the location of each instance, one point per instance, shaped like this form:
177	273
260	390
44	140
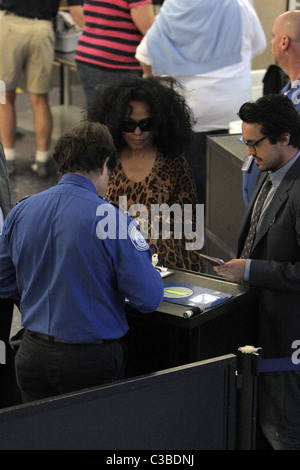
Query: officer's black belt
52	339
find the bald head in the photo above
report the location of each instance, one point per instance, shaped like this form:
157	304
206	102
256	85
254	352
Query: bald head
289	24
286	43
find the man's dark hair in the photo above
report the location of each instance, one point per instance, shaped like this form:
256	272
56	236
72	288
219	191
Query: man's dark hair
85	147
277	116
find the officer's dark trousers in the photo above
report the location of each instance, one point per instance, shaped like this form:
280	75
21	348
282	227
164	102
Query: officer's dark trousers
46	369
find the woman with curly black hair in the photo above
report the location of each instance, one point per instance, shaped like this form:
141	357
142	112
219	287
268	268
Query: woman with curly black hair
151	124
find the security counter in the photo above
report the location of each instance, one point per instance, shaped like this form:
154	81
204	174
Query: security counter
169	337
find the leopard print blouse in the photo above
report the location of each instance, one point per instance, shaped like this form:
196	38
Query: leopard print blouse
169	182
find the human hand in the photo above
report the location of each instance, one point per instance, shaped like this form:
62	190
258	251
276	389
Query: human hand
232	271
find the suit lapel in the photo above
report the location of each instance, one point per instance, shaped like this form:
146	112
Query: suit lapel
279	198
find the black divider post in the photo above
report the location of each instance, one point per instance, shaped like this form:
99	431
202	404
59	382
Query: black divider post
247	376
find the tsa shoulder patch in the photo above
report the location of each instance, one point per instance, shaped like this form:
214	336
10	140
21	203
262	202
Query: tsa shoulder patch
138	240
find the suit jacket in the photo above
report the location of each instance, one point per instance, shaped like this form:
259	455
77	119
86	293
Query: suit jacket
275	265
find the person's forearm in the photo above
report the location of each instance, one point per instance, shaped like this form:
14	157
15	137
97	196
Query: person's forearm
143	17
76	12
147	70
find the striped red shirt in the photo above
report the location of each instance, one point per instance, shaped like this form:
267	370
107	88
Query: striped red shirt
109	37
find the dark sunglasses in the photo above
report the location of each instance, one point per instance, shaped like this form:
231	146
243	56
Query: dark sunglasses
130	125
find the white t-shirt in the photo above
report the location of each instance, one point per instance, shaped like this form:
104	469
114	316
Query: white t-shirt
216	97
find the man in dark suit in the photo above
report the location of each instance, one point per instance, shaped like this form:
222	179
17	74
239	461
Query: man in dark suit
271	132
9	394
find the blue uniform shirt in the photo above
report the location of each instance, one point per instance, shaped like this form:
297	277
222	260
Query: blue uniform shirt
293	93
60	256
249	181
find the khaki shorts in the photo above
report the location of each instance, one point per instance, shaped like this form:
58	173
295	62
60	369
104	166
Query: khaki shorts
27	53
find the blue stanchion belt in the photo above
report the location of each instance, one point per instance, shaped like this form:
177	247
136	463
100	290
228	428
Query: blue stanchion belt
277	365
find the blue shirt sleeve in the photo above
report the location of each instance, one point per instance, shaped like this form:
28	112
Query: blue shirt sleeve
138	281
247	270
8	281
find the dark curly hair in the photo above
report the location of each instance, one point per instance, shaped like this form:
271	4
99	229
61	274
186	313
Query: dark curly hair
172	118
85	147
277	115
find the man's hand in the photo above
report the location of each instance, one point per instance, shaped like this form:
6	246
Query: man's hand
233	270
